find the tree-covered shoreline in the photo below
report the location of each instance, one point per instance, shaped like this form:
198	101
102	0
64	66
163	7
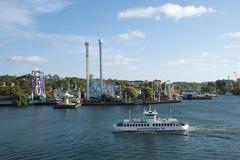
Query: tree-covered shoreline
20	87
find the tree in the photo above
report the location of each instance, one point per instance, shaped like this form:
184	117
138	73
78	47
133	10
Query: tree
131	92
236	91
106	97
205	89
147	93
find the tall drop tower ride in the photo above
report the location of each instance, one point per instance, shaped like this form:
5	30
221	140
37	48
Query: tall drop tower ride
87	70
100	61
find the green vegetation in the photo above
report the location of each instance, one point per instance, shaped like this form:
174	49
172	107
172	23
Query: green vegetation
147	93
55	82
236	91
131	92
106	98
20	87
219	86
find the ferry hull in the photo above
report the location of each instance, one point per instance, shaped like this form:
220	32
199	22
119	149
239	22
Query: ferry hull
150	129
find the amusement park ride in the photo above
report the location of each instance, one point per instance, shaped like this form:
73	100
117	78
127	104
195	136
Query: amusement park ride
38	95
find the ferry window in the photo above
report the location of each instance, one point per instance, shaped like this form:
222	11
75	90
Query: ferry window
153	125
165	124
128	125
124	125
133	125
170	124
142	125
147	124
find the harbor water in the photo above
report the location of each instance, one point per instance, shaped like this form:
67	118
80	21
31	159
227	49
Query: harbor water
41	132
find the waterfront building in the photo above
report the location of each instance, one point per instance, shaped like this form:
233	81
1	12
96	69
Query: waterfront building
137	83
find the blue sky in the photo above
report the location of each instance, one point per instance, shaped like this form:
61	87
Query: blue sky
143	39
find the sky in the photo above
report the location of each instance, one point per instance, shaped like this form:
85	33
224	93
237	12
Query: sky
142	39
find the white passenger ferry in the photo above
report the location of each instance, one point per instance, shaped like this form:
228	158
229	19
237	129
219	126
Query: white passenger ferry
150	123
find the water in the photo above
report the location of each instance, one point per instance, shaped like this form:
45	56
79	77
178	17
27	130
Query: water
40	132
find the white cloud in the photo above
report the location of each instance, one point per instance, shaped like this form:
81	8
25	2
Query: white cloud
185	61
225	65
72	43
17	23
31	59
157	18
177	12
205	54
198	64
138	12
119	60
232	34
170	10
22	12
131	35
227	46
231	46
124	36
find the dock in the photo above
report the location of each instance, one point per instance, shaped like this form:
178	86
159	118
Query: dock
129	103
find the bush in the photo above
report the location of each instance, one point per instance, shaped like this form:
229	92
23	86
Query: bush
236	91
106	97
131	92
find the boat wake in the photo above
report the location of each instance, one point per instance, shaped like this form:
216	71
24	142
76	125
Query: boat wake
215	130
